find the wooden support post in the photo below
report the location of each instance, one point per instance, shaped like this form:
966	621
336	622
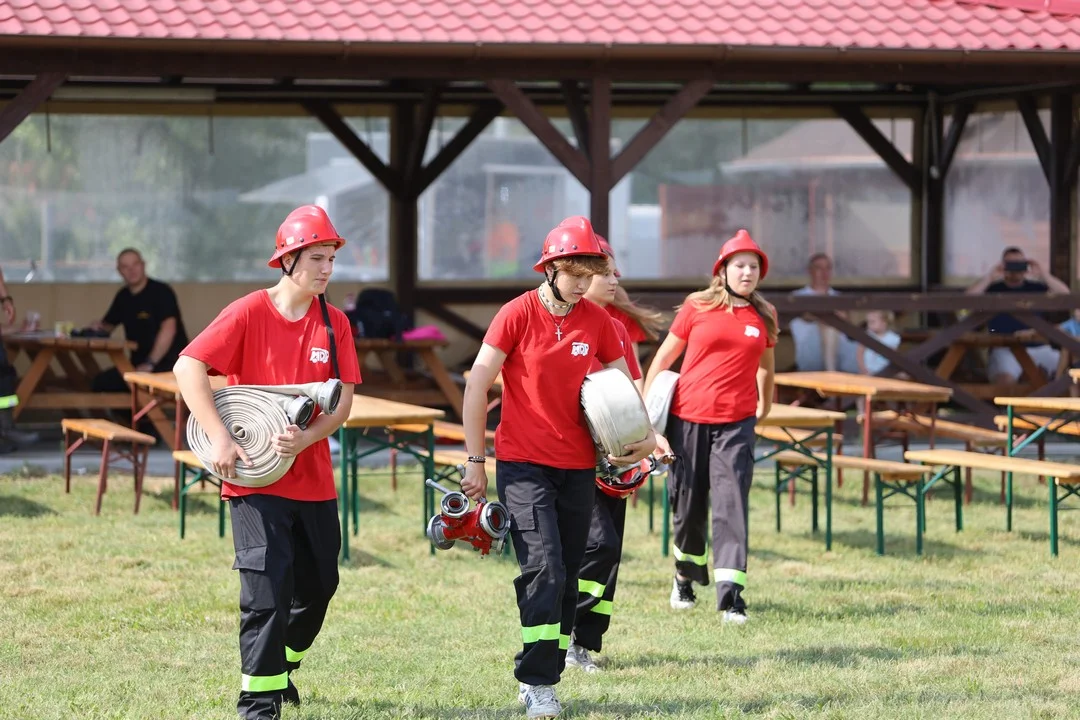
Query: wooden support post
579	119
549	136
478	121
1062	188
29	99
1030	113
866	129
403	237
429	108
600	166
938	152
391	179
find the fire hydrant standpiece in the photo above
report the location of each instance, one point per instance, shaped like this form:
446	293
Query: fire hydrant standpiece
485	526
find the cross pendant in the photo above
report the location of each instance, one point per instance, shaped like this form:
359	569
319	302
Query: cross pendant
558	333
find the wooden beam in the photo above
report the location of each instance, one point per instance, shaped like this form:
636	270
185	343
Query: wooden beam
29	99
429	108
600	166
1036	132
658	126
329	117
952	140
480	119
866	129
531	117
1061	188
454	320
403	235
579	118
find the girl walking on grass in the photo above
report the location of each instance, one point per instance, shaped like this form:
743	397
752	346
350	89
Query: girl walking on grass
545	342
726	383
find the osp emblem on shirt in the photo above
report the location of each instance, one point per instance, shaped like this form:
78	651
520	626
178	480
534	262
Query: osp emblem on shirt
752	331
579	348
318	355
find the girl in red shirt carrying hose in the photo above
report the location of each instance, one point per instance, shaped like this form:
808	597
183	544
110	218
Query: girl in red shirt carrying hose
728	332
600	568
286	534
544	342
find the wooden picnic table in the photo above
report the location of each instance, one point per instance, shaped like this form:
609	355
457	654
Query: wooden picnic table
1057	413
76	358
448	391
872	390
1032	376
369	413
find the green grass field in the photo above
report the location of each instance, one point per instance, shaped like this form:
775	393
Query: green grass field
115	617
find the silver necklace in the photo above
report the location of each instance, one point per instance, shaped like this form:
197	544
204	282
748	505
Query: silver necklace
549	306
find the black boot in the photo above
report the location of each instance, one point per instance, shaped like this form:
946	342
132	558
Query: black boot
290	695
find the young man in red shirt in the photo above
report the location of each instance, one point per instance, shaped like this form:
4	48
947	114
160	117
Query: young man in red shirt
600	566
544	342
728	332
286	534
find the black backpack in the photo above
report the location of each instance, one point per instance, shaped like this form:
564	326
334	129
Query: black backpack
377	315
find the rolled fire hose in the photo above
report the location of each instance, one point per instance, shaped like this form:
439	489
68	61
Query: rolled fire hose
253	414
614	412
658	399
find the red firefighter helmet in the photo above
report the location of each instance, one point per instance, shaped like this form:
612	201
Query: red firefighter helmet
628	481
573	236
742	242
304	226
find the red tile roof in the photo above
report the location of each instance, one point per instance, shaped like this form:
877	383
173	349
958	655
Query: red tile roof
862	24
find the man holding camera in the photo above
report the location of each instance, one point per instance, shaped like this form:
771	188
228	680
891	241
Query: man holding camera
1017	274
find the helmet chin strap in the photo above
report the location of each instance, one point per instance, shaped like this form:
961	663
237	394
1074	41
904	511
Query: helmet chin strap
732	293
554	287
295	261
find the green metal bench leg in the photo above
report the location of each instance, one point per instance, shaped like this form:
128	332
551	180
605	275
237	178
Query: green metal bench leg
814	499
183	498
779	491
920	514
1052	482
958	491
879	501
344	439
221	516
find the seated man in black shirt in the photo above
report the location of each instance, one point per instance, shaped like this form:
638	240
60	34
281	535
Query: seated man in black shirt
1017	274
150	315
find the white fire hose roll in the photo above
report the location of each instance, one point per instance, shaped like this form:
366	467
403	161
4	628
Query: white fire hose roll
613	410
253	414
658	399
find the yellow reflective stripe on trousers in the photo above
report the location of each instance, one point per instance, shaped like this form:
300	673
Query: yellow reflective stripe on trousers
537	633
591	587
702	559
728	575
564	642
8	401
264	683
293	655
602	608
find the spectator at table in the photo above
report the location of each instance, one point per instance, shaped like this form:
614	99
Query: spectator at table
818	346
10	438
879	326
150	315
1017	274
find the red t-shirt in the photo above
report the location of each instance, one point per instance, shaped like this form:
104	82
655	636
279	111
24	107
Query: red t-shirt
252	344
718	380
628	354
633	329
542	419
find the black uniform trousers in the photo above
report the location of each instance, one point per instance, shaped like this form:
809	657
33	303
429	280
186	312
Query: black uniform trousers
599	571
549	525
712	462
286	552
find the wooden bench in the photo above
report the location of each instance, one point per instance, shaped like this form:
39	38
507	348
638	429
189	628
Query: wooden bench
896	477
443	430
1066	478
190	463
113	438
974	438
808	438
1027	422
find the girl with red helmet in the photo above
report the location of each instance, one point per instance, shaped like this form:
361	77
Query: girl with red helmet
286	534
728	331
641	323
600	568
545	342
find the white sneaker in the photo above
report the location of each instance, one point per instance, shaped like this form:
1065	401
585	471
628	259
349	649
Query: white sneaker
682	594
734	617
578	656
539	701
